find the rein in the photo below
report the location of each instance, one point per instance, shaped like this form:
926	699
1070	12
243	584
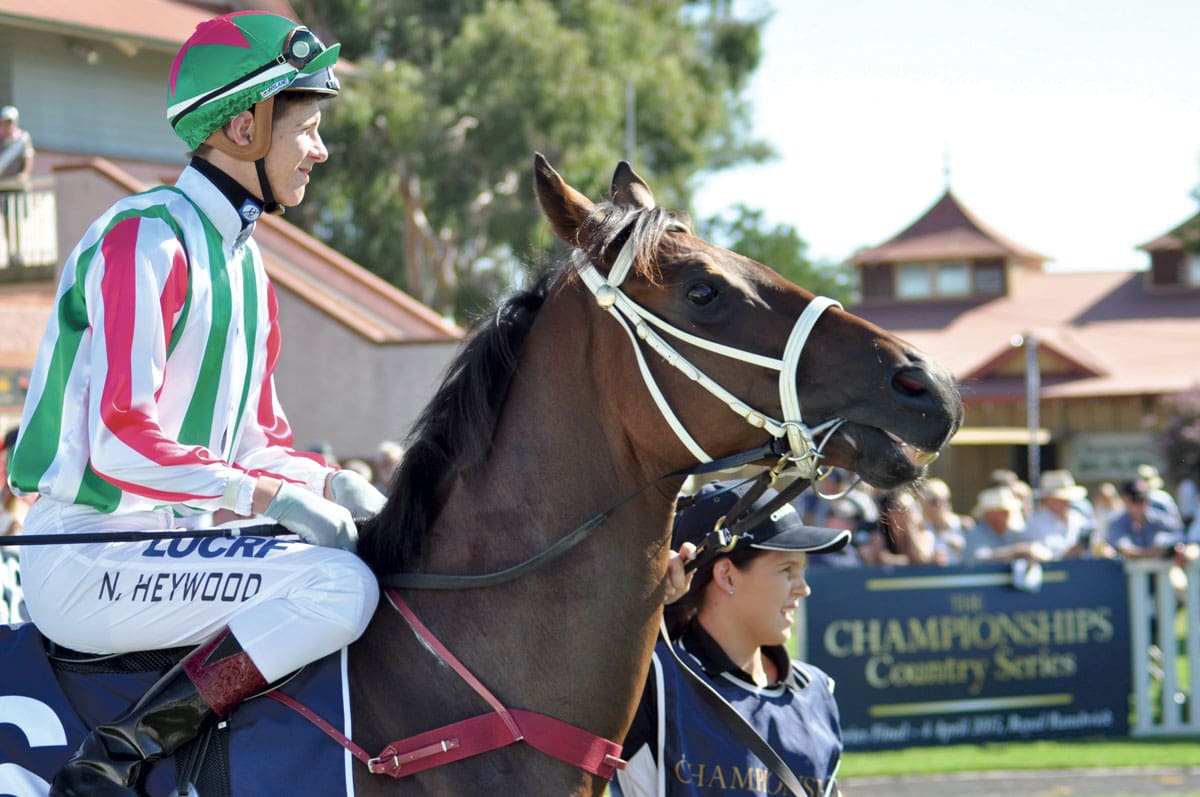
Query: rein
449	581
481	734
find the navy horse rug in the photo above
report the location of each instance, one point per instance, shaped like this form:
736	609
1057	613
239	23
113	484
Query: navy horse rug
48	703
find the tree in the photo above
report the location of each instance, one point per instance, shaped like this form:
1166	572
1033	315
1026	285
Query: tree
1177	424
429	183
780	247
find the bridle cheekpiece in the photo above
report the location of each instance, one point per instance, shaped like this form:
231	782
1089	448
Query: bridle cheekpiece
642	325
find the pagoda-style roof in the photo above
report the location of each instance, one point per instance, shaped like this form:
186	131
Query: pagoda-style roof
1101	335
1186	234
947	231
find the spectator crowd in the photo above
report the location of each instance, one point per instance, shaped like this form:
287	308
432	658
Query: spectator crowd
1009	520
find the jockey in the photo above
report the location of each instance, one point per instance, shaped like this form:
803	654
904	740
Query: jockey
152	400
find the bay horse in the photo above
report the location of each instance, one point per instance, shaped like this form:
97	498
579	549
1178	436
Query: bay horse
555	410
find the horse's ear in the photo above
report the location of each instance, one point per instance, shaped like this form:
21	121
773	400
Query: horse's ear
629	190
565	208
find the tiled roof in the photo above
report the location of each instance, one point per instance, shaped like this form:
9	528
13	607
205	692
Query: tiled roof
1104	335
1187	233
26	309
947	231
152	22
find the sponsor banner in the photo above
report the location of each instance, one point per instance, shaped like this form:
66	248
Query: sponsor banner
1111	456
941	655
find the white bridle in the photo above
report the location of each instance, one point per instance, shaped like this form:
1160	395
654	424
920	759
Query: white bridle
639	324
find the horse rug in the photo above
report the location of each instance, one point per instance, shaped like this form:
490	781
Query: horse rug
266	749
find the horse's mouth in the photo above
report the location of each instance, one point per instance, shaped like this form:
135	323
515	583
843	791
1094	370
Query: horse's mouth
880	457
918	457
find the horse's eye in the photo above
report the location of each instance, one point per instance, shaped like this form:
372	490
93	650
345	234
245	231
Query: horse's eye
702	293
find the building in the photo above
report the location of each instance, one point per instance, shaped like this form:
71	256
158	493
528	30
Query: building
1109	345
360	358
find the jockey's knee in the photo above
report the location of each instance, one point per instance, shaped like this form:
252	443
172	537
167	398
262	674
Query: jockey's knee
344	593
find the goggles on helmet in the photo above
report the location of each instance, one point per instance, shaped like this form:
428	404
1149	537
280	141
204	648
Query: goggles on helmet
300	48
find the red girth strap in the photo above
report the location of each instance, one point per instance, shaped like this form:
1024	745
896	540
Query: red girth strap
460	740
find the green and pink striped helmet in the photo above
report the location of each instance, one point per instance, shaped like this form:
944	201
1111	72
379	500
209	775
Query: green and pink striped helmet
232	62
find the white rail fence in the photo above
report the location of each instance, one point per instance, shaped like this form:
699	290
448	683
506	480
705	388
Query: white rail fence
1156	595
28	230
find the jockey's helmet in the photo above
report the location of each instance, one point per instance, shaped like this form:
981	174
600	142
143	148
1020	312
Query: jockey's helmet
233	62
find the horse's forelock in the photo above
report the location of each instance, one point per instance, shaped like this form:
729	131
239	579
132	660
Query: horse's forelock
611	227
454	431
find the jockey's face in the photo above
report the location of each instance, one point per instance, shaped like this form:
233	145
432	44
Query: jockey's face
296	146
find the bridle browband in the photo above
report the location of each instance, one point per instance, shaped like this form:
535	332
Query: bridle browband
639	324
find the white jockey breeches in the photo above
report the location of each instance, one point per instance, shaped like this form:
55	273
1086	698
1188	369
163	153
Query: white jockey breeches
288	603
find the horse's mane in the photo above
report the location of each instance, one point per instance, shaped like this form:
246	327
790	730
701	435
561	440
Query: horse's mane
453	434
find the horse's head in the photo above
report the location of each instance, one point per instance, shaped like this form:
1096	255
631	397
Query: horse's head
746	342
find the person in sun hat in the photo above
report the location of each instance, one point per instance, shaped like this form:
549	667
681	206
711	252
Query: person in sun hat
16	169
1160	498
948	527
153	400
729	629
16	151
999	535
1064	517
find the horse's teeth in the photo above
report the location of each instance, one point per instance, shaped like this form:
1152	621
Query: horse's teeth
916	456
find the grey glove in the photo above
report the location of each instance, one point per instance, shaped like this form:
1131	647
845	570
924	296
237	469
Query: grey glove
315	520
351	490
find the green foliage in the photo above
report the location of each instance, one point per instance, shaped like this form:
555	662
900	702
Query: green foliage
746	231
429	183
1178	425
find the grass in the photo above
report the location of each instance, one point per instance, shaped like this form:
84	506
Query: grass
1086	753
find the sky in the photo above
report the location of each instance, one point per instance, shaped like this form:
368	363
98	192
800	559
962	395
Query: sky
1071	127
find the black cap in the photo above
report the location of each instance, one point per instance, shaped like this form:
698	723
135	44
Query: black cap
1136	489
783	530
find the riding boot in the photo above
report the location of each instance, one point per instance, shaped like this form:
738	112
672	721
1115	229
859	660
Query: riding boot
207	683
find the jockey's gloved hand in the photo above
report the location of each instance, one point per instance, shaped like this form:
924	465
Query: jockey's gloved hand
351	490
315	520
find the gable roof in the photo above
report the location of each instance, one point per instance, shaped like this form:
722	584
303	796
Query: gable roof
946	231
1100	334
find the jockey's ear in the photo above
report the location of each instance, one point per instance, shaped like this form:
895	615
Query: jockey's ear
565	208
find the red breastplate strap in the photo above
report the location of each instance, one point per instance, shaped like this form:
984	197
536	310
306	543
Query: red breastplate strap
459	740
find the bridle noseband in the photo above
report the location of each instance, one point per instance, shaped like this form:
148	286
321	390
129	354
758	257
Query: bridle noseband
640	324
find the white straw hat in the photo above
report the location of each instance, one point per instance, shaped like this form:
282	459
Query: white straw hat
1060	484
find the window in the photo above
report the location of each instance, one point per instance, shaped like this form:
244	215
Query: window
989	278
953	279
931	280
914	281
1191	272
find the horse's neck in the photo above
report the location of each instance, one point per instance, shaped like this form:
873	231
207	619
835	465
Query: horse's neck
573	638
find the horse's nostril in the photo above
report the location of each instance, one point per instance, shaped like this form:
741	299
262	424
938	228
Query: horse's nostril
909	385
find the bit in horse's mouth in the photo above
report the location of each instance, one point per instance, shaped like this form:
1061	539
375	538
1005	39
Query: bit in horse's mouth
916	456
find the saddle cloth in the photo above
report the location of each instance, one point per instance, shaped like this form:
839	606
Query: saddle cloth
45	711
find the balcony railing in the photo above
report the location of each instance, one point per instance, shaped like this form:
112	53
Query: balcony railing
28	232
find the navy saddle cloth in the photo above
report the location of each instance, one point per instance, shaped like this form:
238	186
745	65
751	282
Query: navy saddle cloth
263	748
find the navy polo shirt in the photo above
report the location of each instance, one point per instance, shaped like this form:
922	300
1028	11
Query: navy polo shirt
679	746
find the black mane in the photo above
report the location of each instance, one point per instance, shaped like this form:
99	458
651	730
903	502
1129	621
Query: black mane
454	432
